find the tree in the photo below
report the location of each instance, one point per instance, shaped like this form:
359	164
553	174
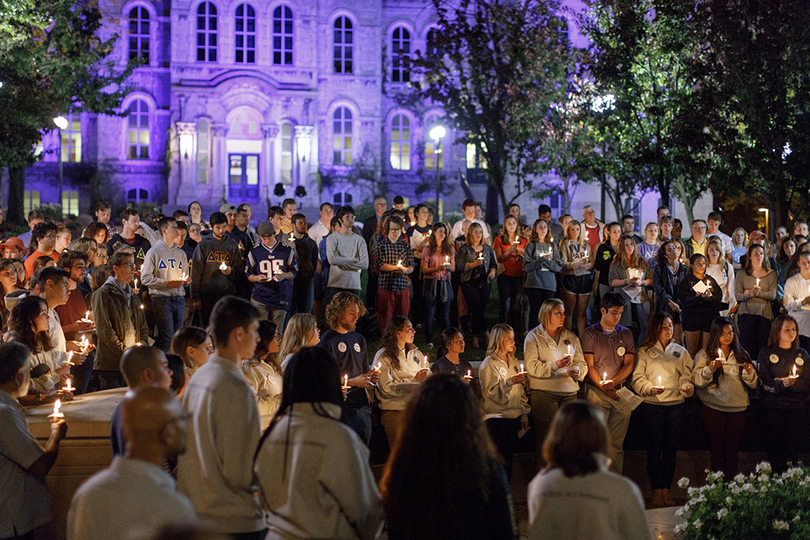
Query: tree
757	59
495	66
51	60
643	55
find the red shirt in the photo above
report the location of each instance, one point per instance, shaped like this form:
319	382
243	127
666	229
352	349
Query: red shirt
73	310
513	265
29	262
592	234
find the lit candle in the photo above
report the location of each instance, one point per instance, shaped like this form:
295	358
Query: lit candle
604	377
659	380
426	360
136	283
757	282
69	387
292	237
85	344
569	349
56	412
138	344
481	256
794	374
447	259
708	284
413	223
469	373
86	316
378	366
399	262
69	358
720	354
183	277
141	306
517	241
345	381
223	266
522	370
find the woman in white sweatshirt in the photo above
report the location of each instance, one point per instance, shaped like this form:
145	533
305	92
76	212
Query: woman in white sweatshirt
503	398
722	371
663	377
555	364
401	365
313	472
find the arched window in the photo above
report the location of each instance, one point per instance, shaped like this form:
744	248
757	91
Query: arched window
203	151
245	33
342	198
401	143
137	195
344	45
138	130
342	136
400	49
286	153
282	36
431	156
207	32
139	34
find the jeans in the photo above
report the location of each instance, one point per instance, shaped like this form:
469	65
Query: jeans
544	406
510	289
434	306
662	424
372	301
82	374
536	299
303	298
504	433
477	301
332	291
277	316
169	312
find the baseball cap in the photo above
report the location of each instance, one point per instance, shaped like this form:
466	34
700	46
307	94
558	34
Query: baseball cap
227	207
266	229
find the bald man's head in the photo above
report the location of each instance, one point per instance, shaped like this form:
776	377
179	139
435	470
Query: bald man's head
145	365
154	423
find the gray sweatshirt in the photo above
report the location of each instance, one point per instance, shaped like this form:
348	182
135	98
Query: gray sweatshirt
347	256
728	396
162	264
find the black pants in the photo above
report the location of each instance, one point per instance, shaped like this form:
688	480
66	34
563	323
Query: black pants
510	289
504	433
371	292
784	432
754	330
536	298
105	380
82	374
662	425
418	301
477	303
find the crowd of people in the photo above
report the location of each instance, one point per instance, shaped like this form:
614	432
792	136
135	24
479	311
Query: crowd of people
265	421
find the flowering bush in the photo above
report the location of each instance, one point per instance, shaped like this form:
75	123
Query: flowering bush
755	507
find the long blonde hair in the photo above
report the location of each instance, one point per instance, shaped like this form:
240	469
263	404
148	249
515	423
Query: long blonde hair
296	334
496	337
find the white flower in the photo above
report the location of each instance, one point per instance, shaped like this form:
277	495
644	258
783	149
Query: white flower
748	487
697	524
679	512
763	489
735	490
740	478
691	491
679	528
797	518
683	483
780	525
728	500
763	478
723	512
764	467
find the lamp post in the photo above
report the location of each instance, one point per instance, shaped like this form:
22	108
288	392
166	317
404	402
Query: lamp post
61	123
437	134
604	104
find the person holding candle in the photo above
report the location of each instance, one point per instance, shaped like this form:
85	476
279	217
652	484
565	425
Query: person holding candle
786	383
555	365
755	290
722	371
438	264
663	377
164	267
394	261
797	296
24	463
302	331
312	470
667	276
700	298
418	237
348	348
577	278
400	362
477	263
271	268
509	249
577	477
605	254
209	280
451	346
541	262
504	400
263	372
445	450
722	271
609	351
631	277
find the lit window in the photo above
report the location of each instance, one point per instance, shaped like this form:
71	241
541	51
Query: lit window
430	146
203	141
207	32
71	147
139	34
401	143
70	202
245	35
30	201
138	130
342	136
286	153
343	46
400	49
282	36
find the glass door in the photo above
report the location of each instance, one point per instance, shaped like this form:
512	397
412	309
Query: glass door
243	177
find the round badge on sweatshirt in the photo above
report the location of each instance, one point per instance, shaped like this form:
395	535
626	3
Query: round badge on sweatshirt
342	347
653	354
356	347
620	351
800	361
774	359
734	370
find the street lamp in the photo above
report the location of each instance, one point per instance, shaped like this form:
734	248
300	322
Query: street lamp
437	134
61	123
603	104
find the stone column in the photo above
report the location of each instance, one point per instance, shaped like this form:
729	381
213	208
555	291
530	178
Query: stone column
187	151
303	150
219	172
270	132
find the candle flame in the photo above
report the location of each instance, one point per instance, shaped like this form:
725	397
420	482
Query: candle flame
56	412
659	380
346	380
604	376
469	373
69	387
794	371
521	367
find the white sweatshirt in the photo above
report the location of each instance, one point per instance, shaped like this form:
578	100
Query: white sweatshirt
673	365
315	479
541	354
393	398
728	396
500	396
797	289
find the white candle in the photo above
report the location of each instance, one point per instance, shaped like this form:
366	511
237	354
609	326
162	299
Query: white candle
345	381
56	412
720	354
522	370
378	366
481	256
794	374
517	241
87	316
757	282
447	259
413	223
292	237
223	266
604	377
138	344
141	306
399	262
426	359
136	283
70	357
469	373
85	344
569	349
69	387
